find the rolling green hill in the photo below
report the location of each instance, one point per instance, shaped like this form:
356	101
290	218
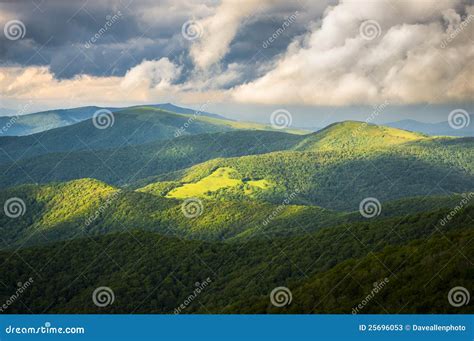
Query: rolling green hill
335	168
353	136
88	207
337	173
129	164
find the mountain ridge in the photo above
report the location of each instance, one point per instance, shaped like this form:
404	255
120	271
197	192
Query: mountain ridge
37	122
434	129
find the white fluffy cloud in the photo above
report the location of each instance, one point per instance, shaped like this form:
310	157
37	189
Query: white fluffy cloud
406	63
156	74
149	81
219	29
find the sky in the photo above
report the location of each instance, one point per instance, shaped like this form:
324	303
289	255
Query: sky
322	61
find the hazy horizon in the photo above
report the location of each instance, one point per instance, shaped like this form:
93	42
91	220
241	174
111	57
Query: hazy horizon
303	116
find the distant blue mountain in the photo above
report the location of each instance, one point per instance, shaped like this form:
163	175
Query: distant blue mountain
441	128
12	125
41	121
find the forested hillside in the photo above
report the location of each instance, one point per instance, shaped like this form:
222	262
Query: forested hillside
331	270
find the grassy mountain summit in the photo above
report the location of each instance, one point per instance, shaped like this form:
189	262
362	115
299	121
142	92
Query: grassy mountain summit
351	135
336	169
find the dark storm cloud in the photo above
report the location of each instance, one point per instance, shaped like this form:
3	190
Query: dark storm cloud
249	49
248	42
58	35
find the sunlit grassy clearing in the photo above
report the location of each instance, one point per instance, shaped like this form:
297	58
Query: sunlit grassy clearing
223	177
